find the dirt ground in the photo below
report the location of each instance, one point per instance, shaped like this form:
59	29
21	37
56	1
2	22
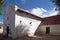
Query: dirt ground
41	37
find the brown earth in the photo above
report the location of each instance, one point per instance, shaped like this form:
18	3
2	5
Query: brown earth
41	37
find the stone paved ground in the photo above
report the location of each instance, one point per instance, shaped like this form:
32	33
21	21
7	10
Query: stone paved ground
42	37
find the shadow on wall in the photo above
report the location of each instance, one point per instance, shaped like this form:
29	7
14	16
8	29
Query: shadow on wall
22	29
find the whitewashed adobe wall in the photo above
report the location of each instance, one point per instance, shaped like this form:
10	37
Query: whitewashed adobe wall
54	29
25	24
9	20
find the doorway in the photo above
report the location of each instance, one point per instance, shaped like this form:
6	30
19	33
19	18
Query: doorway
7	31
47	30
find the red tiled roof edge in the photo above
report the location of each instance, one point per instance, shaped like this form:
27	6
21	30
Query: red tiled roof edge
51	20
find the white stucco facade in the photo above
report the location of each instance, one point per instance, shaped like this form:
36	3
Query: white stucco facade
28	25
19	23
58	12
54	29
9	20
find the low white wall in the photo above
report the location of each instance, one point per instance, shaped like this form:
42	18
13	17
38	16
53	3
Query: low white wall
54	29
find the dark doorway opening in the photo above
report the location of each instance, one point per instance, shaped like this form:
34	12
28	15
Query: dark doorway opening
7	31
47	30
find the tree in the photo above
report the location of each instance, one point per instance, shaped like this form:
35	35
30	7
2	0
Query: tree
57	3
1	25
1	3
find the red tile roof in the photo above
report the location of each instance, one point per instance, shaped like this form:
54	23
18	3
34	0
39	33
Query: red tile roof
51	20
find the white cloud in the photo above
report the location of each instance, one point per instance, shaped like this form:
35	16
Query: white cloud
41	12
38	11
53	13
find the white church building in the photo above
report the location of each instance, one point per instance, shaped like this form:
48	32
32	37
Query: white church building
18	22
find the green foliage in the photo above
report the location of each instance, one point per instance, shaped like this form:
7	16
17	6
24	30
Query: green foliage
1	3
1	26
57	3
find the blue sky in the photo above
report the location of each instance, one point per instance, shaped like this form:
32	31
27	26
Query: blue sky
39	7
29	4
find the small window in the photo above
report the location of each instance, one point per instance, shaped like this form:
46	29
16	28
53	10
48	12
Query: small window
30	22
8	24
20	21
7	18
